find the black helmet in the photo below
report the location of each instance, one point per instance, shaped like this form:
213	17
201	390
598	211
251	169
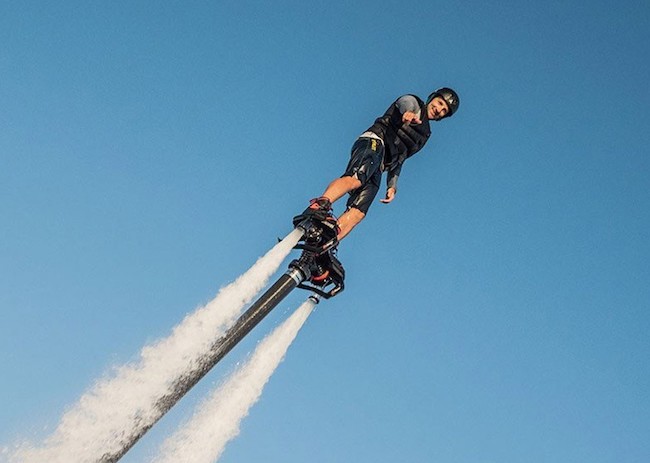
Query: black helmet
450	97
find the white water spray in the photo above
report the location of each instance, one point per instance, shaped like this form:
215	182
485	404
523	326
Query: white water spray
217	419
117	406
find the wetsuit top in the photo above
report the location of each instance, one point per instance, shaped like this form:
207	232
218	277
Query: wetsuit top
401	140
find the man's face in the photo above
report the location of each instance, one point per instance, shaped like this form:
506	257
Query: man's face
437	108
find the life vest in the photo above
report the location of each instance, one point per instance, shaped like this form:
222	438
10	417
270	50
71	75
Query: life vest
401	140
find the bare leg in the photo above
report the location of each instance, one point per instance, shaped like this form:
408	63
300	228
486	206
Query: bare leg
334	191
341	186
349	220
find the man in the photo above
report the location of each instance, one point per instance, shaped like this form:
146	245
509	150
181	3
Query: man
400	133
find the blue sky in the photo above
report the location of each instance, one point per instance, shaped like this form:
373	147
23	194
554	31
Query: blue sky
496	311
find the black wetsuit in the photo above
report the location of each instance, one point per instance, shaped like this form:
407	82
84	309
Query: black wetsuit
384	147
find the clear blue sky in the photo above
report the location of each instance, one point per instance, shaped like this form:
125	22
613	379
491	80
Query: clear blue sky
496	311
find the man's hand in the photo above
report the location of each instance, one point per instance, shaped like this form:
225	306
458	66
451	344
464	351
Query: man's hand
411	118
390	195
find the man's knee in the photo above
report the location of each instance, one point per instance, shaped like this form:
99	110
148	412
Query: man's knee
349	220
352	183
355	215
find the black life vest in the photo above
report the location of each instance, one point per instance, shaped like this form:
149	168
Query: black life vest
401	140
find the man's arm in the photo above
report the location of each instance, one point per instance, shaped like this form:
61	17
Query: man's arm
393	175
390	195
391	184
410	109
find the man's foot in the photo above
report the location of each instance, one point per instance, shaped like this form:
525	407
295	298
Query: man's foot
319	209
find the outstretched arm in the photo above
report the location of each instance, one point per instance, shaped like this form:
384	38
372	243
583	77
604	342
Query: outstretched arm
410	109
